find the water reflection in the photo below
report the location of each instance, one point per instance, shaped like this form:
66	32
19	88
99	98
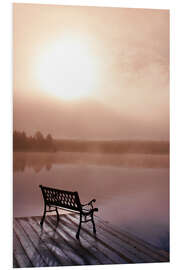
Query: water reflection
38	161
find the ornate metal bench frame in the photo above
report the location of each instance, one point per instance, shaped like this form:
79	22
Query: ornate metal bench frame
70	201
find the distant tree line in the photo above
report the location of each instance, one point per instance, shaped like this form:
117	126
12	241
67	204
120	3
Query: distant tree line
38	142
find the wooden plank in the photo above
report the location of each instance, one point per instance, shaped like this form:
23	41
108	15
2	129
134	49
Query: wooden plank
31	251
120	253
95	247
117	246
132	246
57	248
144	246
87	243
93	252
158	251
40	245
57	245
19	252
68	237
140	244
62	242
15	263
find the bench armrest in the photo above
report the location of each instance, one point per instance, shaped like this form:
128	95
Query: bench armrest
89	203
89	212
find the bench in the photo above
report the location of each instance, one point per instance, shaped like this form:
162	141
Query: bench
67	200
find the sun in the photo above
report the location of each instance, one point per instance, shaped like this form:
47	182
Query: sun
67	69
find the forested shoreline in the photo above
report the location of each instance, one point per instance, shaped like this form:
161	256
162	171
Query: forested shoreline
40	143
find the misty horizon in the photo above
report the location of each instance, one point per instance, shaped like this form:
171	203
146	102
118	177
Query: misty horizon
94	120
83	80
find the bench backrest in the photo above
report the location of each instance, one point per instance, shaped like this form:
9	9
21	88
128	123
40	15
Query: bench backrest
61	198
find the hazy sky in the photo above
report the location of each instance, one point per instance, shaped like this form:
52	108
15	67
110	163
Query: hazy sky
104	71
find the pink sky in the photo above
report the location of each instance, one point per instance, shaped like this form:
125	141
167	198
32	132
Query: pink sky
129	49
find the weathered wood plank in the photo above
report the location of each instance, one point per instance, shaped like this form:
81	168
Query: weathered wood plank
92	245
135	241
128	244
15	263
40	245
60	250
19	252
68	237
31	251
57	245
93	251
114	254
69	231
62	242
160	252
117	248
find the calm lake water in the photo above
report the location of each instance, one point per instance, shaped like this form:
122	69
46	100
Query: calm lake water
131	190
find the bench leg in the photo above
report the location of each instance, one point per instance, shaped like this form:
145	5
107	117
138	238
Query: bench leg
42	220
57	214
77	234
94	228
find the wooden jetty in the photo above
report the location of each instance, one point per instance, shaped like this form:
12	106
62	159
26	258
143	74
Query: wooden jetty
56	244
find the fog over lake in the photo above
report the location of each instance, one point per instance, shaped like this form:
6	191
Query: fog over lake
131	190
91	114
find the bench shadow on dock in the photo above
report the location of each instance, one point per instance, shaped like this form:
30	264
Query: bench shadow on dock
56	244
